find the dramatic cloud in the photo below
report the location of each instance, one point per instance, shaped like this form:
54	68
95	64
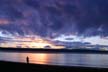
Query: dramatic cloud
54	17
4	21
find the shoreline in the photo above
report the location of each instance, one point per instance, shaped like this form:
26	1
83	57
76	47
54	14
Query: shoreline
15	66
32	50
26	67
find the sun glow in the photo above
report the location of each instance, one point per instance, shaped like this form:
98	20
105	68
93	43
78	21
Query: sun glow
28	42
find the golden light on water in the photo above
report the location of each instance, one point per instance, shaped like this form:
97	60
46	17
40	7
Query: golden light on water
39	58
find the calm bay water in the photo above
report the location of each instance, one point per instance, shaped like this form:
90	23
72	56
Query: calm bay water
65	59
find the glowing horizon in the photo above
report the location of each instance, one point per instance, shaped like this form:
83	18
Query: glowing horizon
46	21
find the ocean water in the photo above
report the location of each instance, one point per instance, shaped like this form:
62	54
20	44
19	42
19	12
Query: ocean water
62	59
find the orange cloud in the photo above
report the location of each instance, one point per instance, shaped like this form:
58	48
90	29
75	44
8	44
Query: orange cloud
4	21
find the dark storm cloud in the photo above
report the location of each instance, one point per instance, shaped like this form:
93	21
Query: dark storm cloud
12	28
48	17
33	3
8	14
95	16
7	10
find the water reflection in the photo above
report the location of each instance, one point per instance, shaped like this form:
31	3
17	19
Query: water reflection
67	59
38	58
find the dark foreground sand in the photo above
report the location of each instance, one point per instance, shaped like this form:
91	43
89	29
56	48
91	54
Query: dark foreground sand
23	67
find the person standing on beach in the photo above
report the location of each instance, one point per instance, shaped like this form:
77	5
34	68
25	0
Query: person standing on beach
27	59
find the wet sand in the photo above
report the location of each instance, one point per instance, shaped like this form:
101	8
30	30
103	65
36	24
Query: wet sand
24	67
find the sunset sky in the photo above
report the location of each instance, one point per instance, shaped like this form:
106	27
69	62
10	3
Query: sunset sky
54	18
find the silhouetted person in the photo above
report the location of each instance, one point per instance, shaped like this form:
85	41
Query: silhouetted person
27	59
